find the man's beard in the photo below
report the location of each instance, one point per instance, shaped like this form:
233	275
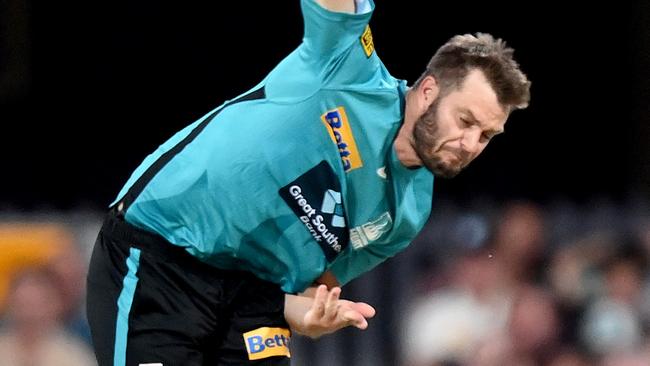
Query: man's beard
426	135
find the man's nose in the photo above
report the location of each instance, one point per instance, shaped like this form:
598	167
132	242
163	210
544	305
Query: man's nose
470	141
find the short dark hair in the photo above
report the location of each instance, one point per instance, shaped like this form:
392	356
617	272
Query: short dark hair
464	53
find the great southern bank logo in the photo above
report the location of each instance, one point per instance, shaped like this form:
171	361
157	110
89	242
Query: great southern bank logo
313	219
339	129
332	205
315	198
267	342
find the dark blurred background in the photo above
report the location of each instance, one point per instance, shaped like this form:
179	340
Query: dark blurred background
87	89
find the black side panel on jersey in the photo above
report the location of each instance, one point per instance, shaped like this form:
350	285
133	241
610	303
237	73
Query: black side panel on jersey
165	158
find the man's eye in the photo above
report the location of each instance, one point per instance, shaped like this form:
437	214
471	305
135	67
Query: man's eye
488	137
465	122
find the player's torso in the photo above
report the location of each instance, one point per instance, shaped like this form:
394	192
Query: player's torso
281	185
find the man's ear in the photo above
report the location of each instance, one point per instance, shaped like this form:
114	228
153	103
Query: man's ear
428	91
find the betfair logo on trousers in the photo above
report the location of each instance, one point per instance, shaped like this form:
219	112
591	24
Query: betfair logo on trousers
267	342
339	129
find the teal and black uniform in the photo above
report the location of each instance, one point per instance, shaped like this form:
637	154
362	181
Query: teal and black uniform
330	110
296	176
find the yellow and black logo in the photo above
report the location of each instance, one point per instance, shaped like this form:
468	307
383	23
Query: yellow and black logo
267	342
339	129
366	41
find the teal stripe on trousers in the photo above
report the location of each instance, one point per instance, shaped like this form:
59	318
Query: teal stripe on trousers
124	303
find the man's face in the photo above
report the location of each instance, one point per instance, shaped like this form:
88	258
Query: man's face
456	127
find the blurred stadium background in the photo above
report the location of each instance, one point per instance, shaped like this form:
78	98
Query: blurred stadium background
538	254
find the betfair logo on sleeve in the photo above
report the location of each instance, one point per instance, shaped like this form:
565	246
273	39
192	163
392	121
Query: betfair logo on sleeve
366	41
339	129
267	342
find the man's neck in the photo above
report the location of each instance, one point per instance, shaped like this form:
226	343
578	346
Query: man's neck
404	142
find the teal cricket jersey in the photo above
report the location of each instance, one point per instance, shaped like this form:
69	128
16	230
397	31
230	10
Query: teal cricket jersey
298	175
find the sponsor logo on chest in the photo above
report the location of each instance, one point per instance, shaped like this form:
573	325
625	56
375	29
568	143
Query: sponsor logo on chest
340	131
315	198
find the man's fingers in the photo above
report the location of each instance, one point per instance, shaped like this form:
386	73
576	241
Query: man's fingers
319	301
329	312
332	304
354	318
366	310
